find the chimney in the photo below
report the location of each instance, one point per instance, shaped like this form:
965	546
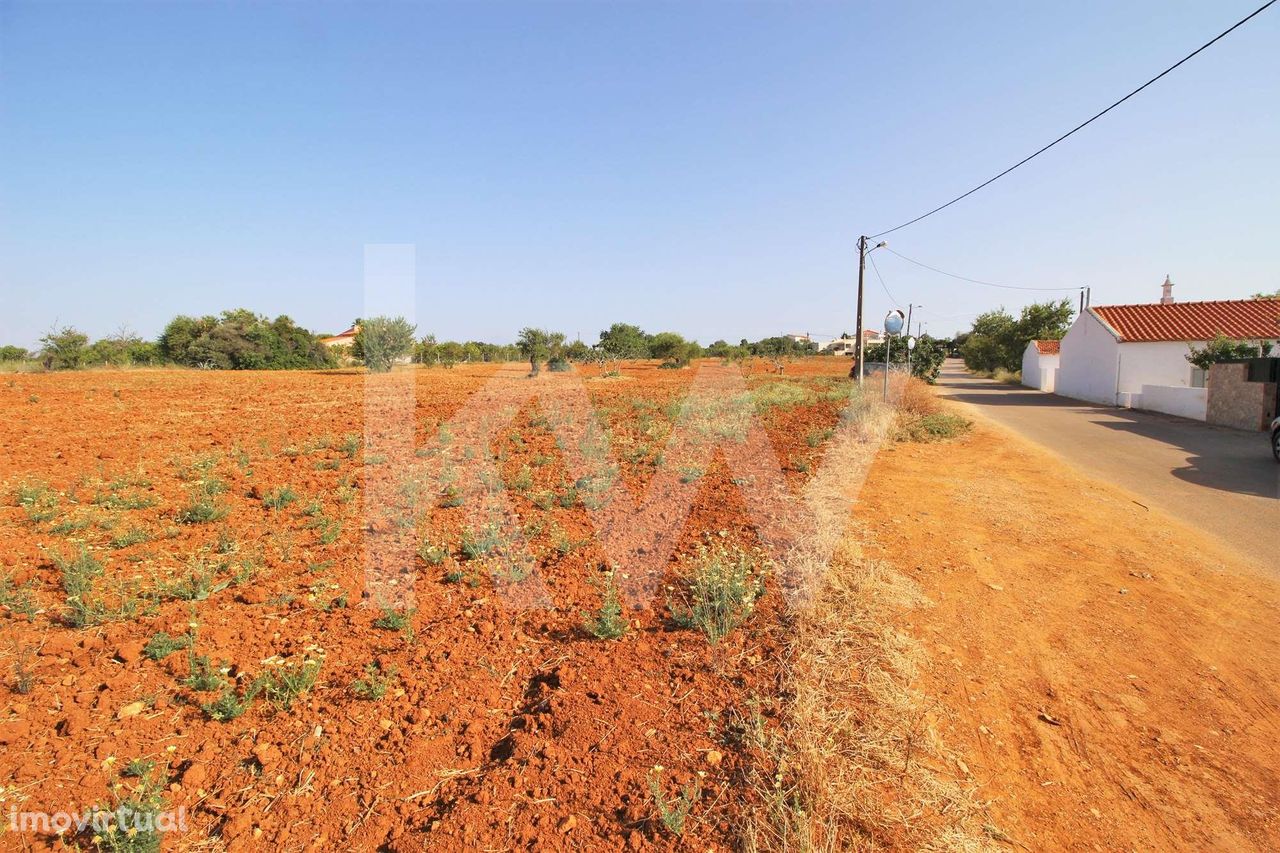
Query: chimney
1166	295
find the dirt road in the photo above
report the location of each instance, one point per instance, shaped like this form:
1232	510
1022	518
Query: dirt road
1221	481
1109	676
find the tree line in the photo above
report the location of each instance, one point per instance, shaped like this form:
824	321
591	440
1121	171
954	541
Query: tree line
242	340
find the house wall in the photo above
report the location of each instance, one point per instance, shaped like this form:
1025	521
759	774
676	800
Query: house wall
1236	402
1163	363
1088	363
1173	400
1038	371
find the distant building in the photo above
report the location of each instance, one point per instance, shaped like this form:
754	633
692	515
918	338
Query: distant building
848	346
1040	365
799	338
344	339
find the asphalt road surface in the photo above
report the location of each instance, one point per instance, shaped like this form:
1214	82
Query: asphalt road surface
1222	481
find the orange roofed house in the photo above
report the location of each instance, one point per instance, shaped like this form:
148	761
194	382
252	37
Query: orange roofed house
343	339
1136	355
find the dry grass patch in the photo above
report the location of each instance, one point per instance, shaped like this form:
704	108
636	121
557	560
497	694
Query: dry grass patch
855	762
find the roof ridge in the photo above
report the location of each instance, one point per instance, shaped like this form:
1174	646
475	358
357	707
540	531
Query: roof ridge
1196	302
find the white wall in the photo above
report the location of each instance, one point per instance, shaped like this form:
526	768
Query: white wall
1174	400
1162	363
1038	371
1090	354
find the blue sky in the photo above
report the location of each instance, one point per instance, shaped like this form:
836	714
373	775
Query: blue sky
703	167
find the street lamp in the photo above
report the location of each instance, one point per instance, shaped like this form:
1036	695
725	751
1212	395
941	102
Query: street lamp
862	269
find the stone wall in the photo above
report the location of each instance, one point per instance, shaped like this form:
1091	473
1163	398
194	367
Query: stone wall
1236	402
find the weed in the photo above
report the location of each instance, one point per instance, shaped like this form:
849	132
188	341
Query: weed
396	620
204	675
690	474
723	588
818	436
24	676
139	768
289	683
523	480
451	497
132	825
78	572
488	542
328	464
133	536
432	554
38	500
229	705
330	530
280	498
938	426
17	598
673	813
375	682
202	510
162	645
196	585
350	445
226	543
608	623
454	576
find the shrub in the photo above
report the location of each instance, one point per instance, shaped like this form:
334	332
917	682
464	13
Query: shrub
673	813
64	349
382	340
286	685
608	623
279	498
935	427
229	705
375	682
724	585
242	340
162	645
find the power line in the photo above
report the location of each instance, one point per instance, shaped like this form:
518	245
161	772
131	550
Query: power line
883	286
976	280
1084	124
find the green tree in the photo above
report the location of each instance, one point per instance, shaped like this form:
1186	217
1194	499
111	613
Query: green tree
64	349
622	341
926	358
535	345
13	353
382	340
1222	348
998	340
451	352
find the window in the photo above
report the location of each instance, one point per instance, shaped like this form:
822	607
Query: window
1199	377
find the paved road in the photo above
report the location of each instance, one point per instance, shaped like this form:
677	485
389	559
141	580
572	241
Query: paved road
1222	481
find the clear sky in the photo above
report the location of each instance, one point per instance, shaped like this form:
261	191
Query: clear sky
703	167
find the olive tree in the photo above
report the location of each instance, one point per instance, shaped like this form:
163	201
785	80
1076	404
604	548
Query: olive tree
382	340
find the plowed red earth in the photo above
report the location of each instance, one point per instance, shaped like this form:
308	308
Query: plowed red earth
502	727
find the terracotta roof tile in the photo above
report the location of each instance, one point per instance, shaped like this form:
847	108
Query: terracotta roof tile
1245	319
1048	347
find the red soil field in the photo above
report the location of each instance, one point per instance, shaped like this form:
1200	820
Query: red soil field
503	726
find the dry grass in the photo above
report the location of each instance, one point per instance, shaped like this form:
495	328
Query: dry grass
921	416
855	763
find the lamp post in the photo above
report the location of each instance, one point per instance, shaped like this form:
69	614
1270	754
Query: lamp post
862	270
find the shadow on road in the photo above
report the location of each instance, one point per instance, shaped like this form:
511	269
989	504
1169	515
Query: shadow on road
1217	457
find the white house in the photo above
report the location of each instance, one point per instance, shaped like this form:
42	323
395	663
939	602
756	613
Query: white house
1040	365
1135	355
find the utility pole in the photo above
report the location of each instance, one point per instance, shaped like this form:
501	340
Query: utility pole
862	269
909	307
